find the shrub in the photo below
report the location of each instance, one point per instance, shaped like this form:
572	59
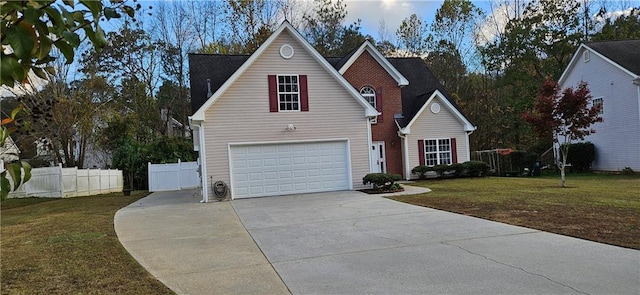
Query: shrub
381	181
477	168
421	171
627	171
581	155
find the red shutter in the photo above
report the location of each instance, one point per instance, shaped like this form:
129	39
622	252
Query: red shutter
379	92
304	94
454	151
273	94
421	151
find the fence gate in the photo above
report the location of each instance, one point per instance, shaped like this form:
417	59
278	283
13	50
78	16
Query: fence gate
174	176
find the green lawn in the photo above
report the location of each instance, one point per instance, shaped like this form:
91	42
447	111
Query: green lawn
598	207
69	246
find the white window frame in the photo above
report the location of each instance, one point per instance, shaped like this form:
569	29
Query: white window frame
294	94
442	156
586	55
368	97
599	100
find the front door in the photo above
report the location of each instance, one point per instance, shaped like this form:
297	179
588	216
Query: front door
378	162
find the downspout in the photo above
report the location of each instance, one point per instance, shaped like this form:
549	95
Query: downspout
636	82
370	140
203	164
468	143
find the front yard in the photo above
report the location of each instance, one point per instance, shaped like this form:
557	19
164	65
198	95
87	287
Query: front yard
69	246
602	208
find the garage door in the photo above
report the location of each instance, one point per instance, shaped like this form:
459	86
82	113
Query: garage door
291	168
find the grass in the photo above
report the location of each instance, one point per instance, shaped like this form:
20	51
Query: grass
597	207
69	246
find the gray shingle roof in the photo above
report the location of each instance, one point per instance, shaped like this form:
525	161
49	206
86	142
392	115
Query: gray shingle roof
219	68
625	53
215	67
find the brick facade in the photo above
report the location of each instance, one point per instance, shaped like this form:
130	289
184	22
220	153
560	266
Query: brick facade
366	71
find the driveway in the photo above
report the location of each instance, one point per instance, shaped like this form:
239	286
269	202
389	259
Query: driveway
353	243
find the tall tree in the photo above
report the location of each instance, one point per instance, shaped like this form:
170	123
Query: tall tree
455	22
251	22
565	116
412	36
621	28
325	30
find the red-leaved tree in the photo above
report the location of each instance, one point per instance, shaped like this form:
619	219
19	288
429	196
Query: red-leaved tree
567	115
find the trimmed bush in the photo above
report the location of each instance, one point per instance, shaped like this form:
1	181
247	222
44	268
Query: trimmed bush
381	181
421	171
581	155
477	168
466	169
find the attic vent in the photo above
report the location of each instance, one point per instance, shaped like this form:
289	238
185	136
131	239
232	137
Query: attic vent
286	51
209	94
435	107
586	55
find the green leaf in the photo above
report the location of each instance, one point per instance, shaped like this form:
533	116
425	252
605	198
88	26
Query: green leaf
94	6
8	63
15	111
110	12
72	38
66	49
5	186
44	48
22	39
32	15
27	171
54	16
71	3
101	41
15	173
39	72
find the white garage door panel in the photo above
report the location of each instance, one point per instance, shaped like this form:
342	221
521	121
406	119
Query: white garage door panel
278	169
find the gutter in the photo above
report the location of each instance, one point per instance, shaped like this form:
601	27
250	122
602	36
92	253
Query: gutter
201	157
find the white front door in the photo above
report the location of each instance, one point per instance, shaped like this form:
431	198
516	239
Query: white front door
378	162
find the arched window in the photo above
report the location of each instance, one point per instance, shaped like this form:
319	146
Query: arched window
369	95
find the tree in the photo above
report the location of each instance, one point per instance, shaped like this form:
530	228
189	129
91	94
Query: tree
565	116
623	27
33	28
325	31
412	36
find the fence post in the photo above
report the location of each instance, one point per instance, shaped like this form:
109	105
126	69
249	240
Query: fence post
180	173
61	180
149	176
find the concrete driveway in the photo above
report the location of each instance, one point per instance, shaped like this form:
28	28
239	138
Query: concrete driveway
353	243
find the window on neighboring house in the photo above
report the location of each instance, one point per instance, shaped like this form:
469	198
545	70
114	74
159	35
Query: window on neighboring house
288	93
599	102
437	151
369	95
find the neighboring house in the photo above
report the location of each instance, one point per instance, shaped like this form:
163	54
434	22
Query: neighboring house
286	120
612	71
9	151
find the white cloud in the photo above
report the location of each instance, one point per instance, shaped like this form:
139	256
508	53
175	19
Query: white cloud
495	23
370	12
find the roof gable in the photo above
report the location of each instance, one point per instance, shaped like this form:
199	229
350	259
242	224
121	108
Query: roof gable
623	55
346	62
199	115
448	105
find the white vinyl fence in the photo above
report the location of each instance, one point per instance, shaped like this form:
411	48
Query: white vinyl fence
58	182
174	176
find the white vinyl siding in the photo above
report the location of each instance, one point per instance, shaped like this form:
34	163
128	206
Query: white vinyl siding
617	138
441	125
241	115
